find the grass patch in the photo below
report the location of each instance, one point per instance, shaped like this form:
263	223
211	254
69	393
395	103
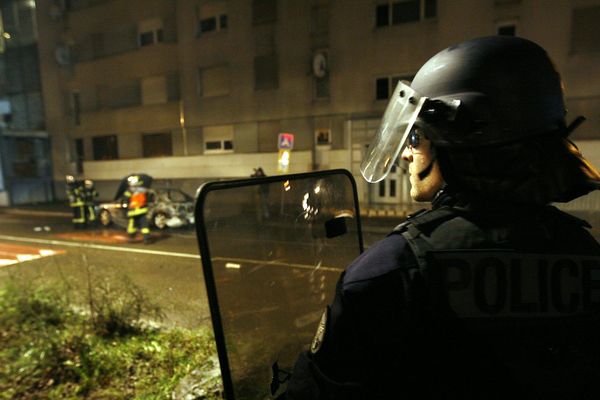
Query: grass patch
50	350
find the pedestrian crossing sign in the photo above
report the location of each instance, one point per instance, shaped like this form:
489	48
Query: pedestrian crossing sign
286	141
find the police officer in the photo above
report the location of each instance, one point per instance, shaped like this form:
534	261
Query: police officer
90	193
137	207
490	293
76	196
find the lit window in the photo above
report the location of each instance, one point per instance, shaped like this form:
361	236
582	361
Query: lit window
403	11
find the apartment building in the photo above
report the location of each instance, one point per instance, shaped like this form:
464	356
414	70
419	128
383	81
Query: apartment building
25	165
191	90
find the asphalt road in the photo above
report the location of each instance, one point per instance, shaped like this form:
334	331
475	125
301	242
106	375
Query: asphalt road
41	245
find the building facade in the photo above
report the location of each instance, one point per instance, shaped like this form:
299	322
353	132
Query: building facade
191	90
25	165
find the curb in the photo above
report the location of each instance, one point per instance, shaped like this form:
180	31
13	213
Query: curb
46	213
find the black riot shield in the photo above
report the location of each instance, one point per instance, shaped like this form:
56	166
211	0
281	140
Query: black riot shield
272	251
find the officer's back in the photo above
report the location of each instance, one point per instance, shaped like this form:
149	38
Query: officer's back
493	292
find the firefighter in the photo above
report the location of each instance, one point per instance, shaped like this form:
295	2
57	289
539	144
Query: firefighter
137	207
75	194
90	194
489	293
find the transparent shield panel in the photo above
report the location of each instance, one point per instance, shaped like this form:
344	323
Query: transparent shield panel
272	250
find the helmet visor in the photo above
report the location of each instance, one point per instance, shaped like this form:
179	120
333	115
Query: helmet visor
399	117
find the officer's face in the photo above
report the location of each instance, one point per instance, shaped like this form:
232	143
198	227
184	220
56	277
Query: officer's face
425	176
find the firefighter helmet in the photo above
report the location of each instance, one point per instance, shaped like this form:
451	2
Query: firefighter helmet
134	181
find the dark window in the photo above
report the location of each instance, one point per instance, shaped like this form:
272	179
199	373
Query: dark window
159	35
79	152
223	21
105	147
507	30
322	87
430	8
146	38
213	145
392	188
266	72
79	155
382	90
24	158
76	99
585	30
128	94
157	145
264	11
173	87
395	80
405	11
319	20
228	145
381	188
208	25
382	15
97	43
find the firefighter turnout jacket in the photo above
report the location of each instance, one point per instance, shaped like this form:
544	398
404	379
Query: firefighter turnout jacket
137	201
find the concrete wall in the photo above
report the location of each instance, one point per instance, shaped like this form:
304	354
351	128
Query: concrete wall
206	166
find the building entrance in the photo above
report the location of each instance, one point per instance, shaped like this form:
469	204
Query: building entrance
26	169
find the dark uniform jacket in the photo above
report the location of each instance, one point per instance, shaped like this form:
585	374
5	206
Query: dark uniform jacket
387	334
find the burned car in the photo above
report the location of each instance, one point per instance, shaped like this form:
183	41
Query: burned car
167	208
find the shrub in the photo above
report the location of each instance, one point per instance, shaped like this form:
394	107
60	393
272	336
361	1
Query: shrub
51	351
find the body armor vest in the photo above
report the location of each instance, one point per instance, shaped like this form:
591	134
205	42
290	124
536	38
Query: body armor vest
532	302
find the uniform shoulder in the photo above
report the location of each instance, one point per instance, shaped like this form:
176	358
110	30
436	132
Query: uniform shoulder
380	259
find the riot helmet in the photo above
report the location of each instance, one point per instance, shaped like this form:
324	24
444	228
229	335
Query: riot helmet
88	184
492	95
70	179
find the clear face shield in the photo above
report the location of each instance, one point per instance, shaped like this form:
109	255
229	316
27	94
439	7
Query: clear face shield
393	132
